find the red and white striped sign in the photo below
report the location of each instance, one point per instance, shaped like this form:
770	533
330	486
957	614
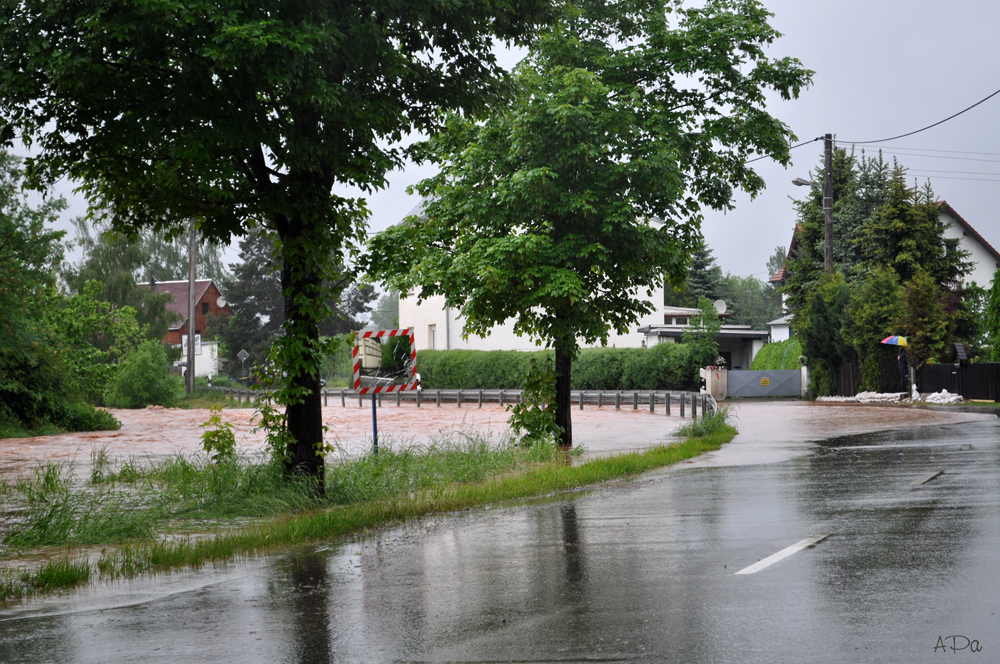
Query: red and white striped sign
379	334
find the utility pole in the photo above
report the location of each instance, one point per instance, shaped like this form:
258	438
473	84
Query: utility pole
192	246
828	204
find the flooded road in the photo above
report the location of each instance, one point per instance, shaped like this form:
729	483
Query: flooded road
645	571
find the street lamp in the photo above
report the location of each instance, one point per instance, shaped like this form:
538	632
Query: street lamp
827	202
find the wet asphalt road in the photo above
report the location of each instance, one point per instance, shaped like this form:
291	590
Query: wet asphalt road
644	571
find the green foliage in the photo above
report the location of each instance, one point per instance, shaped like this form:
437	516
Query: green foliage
534	419
875	308
925	320
218	440
704	279
385	315
749	301
49	361
778	356
701	336
666	366
993	317
888	239
819	332
474	369
143	379
395	353
238	114
906	234
708	425
540	214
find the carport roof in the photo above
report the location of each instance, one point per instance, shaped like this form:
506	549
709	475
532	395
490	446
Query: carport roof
678	331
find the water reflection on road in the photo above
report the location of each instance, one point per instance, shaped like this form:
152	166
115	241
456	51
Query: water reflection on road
632	572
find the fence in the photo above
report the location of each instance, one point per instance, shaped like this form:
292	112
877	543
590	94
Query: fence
681	403
783	383
973	381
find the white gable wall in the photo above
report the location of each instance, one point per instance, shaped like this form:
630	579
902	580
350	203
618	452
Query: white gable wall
431	316
985	263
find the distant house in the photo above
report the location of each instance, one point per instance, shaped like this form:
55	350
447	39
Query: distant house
985	259
206	300
207	297
738	344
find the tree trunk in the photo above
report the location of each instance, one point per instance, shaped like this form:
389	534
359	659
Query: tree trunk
301	282
564	411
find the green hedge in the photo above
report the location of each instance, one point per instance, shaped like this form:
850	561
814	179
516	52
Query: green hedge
664	367
778	356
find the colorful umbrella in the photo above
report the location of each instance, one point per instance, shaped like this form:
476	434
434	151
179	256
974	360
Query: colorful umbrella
895	341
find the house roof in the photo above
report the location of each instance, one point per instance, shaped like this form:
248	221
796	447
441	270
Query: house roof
179	291
782	273
729	331
950	211
784	320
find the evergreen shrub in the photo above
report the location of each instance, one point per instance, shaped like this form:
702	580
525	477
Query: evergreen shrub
778	356
666	366
143	379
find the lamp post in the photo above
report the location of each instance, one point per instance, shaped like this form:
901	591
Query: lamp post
827	202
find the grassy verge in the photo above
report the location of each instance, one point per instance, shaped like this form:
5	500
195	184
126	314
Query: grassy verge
127	504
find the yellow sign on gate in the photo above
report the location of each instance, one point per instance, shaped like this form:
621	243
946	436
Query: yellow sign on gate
765	381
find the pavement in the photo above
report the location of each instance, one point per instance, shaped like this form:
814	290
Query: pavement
844	558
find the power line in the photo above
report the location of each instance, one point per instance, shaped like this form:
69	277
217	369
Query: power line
899	147
930	126
798	145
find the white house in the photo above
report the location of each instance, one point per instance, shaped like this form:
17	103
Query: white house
437	327
738	344
984	257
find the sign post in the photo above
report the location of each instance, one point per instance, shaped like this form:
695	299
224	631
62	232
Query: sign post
371	376
243	355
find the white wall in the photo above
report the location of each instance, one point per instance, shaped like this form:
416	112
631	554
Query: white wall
985	263
781	332
448	327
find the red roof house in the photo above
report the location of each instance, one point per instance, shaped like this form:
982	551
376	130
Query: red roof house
206	303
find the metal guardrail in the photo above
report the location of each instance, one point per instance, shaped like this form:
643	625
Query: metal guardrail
683	404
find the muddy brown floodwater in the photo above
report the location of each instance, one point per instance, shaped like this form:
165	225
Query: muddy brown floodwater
769	431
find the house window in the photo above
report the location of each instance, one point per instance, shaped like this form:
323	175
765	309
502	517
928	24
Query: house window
204	308
680	321
432	336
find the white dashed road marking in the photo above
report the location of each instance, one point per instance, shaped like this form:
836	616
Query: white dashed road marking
784	553
925	478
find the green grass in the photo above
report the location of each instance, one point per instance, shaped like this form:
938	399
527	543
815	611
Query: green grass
253	509
15	431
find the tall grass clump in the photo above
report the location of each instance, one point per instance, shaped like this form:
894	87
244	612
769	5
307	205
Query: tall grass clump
714	425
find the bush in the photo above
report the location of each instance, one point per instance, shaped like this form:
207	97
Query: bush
143	379
666	366
778	356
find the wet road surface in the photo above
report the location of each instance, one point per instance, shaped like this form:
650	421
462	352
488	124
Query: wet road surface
643	571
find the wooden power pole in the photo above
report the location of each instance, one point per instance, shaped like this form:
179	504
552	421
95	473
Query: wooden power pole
192	246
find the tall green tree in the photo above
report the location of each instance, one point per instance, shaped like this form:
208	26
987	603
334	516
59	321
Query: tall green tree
237	113
993	317
875	308
749	301
925	319
702	335
906	234
821	332
55	350
253	291
540	214
704	279
119	265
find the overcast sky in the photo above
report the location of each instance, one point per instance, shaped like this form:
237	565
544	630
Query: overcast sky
883	68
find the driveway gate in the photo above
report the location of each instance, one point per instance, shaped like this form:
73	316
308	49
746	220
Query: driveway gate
765	383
